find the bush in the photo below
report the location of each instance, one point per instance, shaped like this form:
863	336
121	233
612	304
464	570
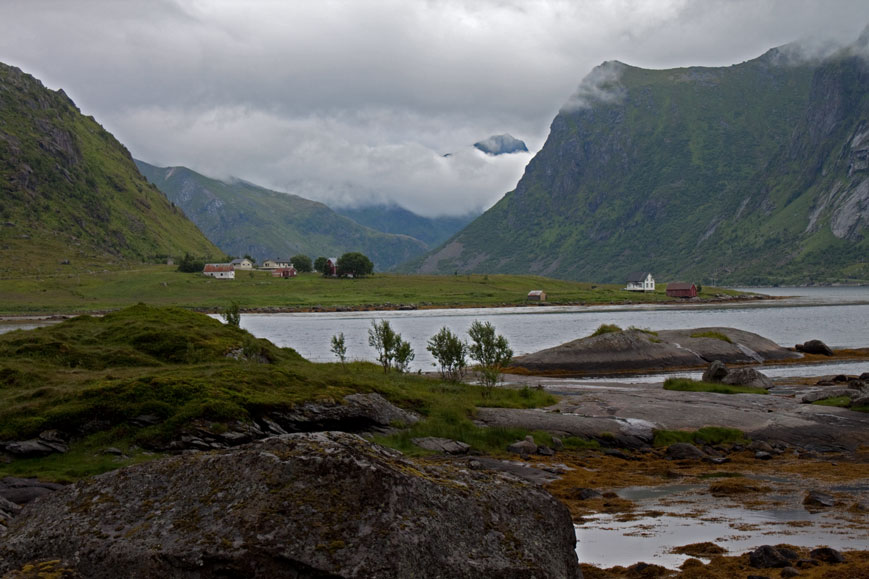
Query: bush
450	352
490	351
232	315
339	348
390	347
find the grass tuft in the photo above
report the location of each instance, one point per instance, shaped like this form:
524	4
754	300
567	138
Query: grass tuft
688	385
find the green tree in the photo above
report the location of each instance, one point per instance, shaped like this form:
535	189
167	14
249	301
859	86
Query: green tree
302	263
339	348
491	352
389	346
355	264
320	264
450	352
232	315
190	264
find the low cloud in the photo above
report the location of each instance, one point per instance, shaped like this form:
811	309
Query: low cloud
601	85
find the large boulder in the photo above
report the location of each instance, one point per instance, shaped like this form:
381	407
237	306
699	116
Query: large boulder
814	347
323	504
747	377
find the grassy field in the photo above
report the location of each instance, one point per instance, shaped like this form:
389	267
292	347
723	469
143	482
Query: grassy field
160	285
90	377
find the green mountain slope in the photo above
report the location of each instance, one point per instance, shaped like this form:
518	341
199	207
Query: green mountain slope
755	172
244	219
394	219
70	191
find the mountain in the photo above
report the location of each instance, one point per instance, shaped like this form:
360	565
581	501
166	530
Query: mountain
244	219
71	193
395	219
752	173
501	145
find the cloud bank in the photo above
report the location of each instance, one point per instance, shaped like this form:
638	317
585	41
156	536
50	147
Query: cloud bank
350	102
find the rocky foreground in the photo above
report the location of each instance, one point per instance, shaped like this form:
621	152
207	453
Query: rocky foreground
302	505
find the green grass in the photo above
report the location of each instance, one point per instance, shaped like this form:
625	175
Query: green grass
688	385
706	435
160	285
713	335
606	329
840	401
95	374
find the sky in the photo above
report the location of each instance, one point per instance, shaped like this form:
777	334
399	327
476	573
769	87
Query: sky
353	102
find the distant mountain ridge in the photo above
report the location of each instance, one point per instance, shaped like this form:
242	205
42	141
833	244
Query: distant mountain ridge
752	173
245	219
396	219
71	195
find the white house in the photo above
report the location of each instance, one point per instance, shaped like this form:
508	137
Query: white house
219	270
640	281
243	263
277	263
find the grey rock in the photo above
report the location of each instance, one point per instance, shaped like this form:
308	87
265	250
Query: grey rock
557	444
356	413
827	555
523	447
23	490
816	498
684	451
761	455
715	372
789	572
768	557
862	400
322	504
545	451
825	393
444	445
584	494
747	377
814	347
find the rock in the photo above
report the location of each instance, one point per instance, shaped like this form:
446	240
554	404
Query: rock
826	393
715	372
760	445
789	572
523	447
616	453
583	494
684	451
815	498
761	455
814	347
557	444
862	400
827	555
716	459
545	451
768	557
444	445
48	442
864	377
747	377
324	504
356	413
23	490
8	509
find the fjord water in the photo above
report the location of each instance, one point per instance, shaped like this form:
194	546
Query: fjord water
837	315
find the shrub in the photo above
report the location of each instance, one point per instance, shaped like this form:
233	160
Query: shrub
390	347
232	315
450	352
490	351
339	348
320	264
355	264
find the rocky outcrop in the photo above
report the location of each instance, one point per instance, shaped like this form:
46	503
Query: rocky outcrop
302	505
718	372
638	350
814	347
48	442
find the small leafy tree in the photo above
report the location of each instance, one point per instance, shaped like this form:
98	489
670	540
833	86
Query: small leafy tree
302	263
320	264
389	345
232	315
190	264
355	264
339	348
490	351
450	352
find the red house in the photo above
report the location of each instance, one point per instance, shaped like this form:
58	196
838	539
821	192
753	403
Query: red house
285	272
331	266
680	289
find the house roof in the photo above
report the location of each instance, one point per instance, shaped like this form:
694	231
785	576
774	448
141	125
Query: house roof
679	285
217	267
237	261
638	276
535	292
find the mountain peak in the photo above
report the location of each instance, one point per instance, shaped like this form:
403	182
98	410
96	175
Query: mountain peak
501	145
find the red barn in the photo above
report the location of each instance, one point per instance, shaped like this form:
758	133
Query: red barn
680	289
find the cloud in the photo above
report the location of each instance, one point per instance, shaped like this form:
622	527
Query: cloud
601	85
351	100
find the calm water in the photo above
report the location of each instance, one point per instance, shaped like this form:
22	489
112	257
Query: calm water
838	316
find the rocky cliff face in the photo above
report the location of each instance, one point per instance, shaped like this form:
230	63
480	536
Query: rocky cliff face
70	191
750	173
304	505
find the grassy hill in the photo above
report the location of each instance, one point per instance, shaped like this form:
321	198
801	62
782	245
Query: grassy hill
244	219
71	193
753	173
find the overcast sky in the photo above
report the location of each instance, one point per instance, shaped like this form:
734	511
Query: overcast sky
357	101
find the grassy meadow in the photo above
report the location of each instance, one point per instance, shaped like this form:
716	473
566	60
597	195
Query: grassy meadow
162	285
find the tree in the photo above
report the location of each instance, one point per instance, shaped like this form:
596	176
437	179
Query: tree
302	263
339	348
390	347
232	315
320	264
490	351
450	352
355	264
190	264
